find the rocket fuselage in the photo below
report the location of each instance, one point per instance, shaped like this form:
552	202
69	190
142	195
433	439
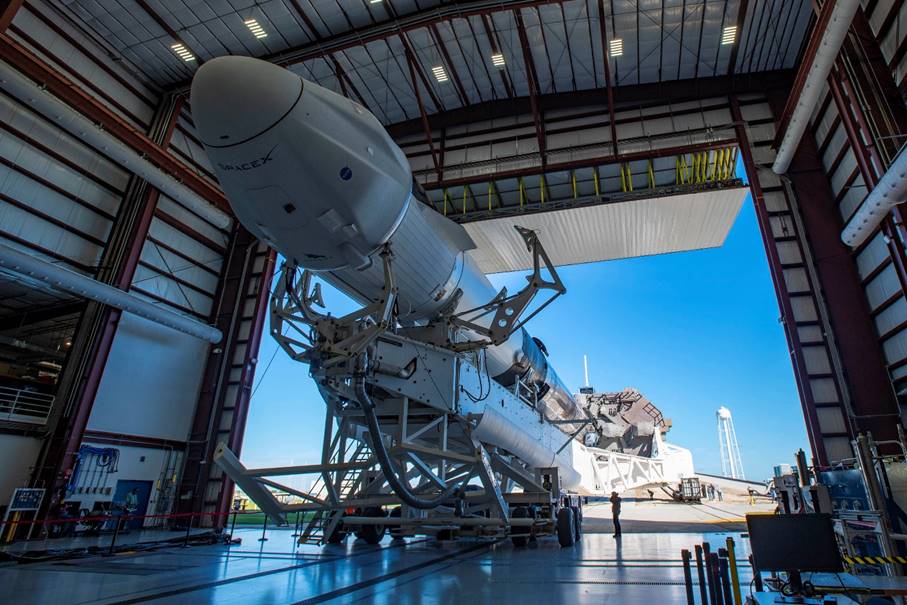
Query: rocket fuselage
316	176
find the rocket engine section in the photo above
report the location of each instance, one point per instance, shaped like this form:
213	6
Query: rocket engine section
316	176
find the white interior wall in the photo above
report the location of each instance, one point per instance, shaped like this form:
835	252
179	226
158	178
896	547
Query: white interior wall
151	382
18	454
134	464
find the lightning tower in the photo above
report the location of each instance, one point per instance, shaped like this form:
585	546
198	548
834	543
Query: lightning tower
731	464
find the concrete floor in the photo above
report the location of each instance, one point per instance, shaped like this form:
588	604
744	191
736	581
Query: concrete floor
639	568
661	515
101	541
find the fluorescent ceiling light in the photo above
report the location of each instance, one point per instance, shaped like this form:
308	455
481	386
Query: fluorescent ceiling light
497	59
182	53
255	28
617	47
440	73
375	1
730	35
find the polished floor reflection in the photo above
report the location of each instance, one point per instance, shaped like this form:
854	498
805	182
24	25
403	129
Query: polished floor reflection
637	569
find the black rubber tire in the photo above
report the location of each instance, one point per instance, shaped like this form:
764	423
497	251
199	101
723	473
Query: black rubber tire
578	522
566	532
373	534
396	532
520	535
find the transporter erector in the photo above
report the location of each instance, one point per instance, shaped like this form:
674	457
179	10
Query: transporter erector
444	415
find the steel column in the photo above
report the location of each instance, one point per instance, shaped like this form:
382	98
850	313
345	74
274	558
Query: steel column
219	394
776	271
97	327
250	364
8	10
873	401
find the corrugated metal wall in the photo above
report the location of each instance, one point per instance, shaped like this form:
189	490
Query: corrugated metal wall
874	261
823	393
888	20
60	199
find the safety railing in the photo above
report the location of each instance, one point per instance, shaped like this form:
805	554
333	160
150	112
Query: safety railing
176	529
23	405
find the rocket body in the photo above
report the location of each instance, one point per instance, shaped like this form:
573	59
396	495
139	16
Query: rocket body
316	176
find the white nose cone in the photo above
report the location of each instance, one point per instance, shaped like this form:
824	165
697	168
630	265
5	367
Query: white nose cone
306	170
235	99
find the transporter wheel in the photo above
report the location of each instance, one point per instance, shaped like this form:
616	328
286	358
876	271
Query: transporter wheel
520	535
578	522
566	532
337	535
396	532
373	534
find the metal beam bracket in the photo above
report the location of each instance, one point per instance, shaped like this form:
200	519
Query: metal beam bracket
508	310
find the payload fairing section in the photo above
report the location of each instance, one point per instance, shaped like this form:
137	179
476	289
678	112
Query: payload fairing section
438	398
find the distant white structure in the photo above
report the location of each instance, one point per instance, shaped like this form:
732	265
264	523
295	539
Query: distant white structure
731	464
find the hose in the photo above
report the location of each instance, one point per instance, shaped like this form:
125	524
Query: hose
391	472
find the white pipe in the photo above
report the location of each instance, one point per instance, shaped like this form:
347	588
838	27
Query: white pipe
832	38
69	281
94	135
890	191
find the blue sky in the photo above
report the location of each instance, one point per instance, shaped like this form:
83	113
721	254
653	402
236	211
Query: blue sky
692	331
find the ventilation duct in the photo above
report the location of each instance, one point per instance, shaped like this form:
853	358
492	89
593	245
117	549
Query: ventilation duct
73	122
19	263
890	191
832	38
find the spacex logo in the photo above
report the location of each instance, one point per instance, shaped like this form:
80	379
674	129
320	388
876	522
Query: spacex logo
249	165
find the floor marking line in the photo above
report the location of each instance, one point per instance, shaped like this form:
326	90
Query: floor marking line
216	583
396	585
329	596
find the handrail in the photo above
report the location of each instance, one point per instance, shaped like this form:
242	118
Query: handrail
25	406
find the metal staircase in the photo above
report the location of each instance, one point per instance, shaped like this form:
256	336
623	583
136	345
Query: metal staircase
346	483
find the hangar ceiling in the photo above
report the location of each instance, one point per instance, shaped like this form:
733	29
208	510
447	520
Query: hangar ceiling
463	52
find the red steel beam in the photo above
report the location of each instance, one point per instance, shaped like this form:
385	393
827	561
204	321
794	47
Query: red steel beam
585	163
170	31
809	56
305	19
873	400
464	99
492	36
345	83
813	431
408	47
741	17
411	62
636	94
606	61
67	435
446	11
247	377
22	59
868	159
8	10
533	81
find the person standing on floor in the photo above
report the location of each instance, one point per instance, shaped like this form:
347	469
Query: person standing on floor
615	513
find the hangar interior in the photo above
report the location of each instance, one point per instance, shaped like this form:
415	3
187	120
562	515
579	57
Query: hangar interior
617	125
